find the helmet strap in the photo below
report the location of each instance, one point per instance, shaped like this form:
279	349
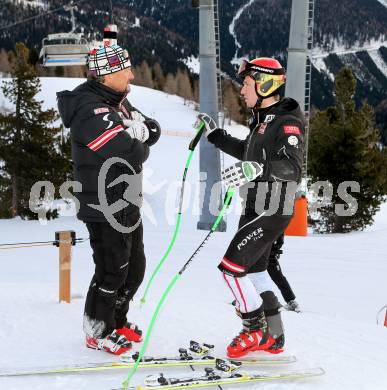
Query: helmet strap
259	98
258	103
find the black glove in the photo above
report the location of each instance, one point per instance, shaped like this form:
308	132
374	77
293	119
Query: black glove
154	131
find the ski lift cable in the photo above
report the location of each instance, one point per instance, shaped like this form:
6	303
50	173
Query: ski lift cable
40	15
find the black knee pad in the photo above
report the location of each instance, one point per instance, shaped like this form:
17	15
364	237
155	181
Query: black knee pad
270	303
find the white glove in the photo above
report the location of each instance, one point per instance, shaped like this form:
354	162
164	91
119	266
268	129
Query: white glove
137	130
209	124
137	116
241	173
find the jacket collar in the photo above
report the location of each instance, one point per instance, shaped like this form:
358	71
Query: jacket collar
112	97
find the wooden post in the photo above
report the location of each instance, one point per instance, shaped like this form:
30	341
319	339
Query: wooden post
66	240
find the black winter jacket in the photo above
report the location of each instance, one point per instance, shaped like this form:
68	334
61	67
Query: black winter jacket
276	140
95	114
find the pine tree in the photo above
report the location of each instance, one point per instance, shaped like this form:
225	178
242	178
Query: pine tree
344	147
31	146
381	120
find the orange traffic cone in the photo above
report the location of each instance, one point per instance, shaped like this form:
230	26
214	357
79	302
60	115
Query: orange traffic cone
298	225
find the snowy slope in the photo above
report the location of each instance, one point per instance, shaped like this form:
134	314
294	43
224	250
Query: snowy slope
339	282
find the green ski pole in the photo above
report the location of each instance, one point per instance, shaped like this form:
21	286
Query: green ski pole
191	147
227	201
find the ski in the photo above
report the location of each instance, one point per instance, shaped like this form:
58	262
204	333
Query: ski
185	359
213	378
206	360
146	363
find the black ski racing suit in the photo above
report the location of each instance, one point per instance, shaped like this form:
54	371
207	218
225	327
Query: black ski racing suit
276	140
95	116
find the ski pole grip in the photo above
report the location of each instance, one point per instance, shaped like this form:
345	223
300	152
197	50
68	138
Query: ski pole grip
197	137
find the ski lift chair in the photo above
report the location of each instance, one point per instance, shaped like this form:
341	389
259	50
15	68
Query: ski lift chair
64	49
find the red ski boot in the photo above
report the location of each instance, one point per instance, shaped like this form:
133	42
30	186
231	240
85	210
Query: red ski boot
131	332
253	337
276	344
247	342
274	322
113	343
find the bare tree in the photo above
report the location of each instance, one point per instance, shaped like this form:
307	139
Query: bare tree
170	84
159	78
231	102
5	66
184	88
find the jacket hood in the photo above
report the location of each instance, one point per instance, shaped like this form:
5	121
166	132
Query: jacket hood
287	106
70	102
67	105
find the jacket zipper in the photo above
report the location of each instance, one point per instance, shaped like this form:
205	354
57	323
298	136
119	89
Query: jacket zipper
251	136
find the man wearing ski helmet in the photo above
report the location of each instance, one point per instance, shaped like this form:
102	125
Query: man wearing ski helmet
107	131
276	143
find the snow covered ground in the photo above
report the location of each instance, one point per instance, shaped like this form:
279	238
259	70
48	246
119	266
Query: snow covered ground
339	282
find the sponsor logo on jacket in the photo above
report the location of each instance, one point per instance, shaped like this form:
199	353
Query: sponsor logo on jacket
100	110
254	235
262	128
293	140
269	118
292	130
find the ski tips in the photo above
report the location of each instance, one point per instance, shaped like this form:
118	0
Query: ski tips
320	371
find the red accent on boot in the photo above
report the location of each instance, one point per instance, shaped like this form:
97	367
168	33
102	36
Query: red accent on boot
247	342
131	332
272	347
113	343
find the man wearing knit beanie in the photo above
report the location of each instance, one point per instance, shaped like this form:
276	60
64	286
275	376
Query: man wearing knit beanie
105	127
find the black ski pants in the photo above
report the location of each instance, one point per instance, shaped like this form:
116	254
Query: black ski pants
250	248
275	271
119	271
